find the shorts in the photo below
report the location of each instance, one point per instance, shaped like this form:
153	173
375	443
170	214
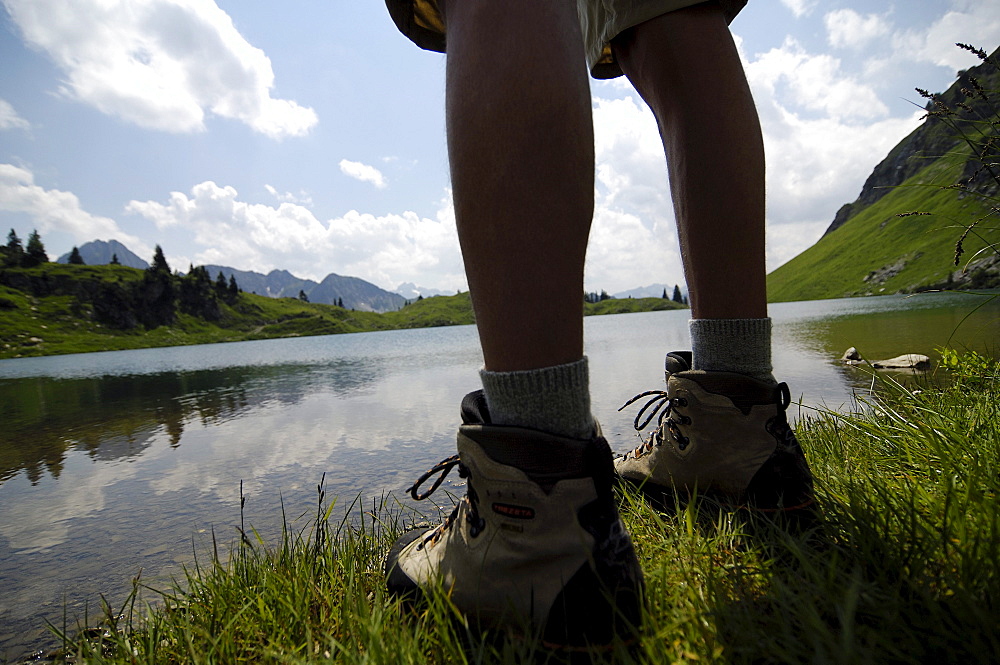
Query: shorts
600	20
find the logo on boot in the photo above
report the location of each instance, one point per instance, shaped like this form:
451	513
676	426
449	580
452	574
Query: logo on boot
517	512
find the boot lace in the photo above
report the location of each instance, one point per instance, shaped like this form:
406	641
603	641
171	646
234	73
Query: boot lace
444	467
661	407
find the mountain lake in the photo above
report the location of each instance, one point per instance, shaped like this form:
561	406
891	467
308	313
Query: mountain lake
120	462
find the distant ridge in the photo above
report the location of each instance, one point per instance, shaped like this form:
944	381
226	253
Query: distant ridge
100	252
352	292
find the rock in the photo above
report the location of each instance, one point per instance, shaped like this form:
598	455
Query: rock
851	354
905	361
853	357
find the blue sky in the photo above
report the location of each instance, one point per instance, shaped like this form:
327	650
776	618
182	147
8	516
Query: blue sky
310	135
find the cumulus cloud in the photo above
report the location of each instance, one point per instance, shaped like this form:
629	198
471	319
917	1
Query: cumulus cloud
385	250
967	22
825	129
813	82
847	28
9	119
161	64
799	7
362	172
56	210
302	198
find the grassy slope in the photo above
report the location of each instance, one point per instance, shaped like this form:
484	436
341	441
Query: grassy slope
58	324
902	567
877	237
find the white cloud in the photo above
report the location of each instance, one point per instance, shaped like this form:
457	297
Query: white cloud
385	250
824	131
302	198
160	64
800	7
812	82
362	172
56	210
847	28
977	24
9	119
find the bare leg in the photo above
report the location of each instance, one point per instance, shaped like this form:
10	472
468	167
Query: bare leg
686	67
521	148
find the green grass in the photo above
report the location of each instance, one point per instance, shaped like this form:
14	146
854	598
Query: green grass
902	569
61	322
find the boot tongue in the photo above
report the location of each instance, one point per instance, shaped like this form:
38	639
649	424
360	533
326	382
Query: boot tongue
474	409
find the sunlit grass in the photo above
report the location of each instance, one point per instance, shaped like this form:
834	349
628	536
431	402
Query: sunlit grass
902	566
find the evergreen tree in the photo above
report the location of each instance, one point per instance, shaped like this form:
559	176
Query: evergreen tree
221	289
34	251
114	260
159	261
664	296
14	250
75	258
677	294
302	296
157	293
234	289
196	295
340	302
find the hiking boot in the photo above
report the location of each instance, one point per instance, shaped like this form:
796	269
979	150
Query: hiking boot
719	434
536	544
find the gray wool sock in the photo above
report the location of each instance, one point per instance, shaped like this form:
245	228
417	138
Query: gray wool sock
732	345
551	399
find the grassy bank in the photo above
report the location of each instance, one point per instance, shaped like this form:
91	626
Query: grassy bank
903	567
52	313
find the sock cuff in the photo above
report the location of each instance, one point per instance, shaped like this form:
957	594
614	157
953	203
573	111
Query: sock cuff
732	345
552	399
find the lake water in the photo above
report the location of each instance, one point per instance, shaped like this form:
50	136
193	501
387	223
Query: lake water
120	461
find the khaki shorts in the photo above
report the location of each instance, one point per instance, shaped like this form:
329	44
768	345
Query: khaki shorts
600	20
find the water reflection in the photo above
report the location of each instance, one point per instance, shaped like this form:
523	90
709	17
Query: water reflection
115	417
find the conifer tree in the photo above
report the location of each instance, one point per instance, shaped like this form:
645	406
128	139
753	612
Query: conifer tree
114	260
159	261
34	253
14	250
677	294
75	258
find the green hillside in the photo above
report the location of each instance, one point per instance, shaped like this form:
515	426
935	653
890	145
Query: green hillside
879	252
61	308
948	172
